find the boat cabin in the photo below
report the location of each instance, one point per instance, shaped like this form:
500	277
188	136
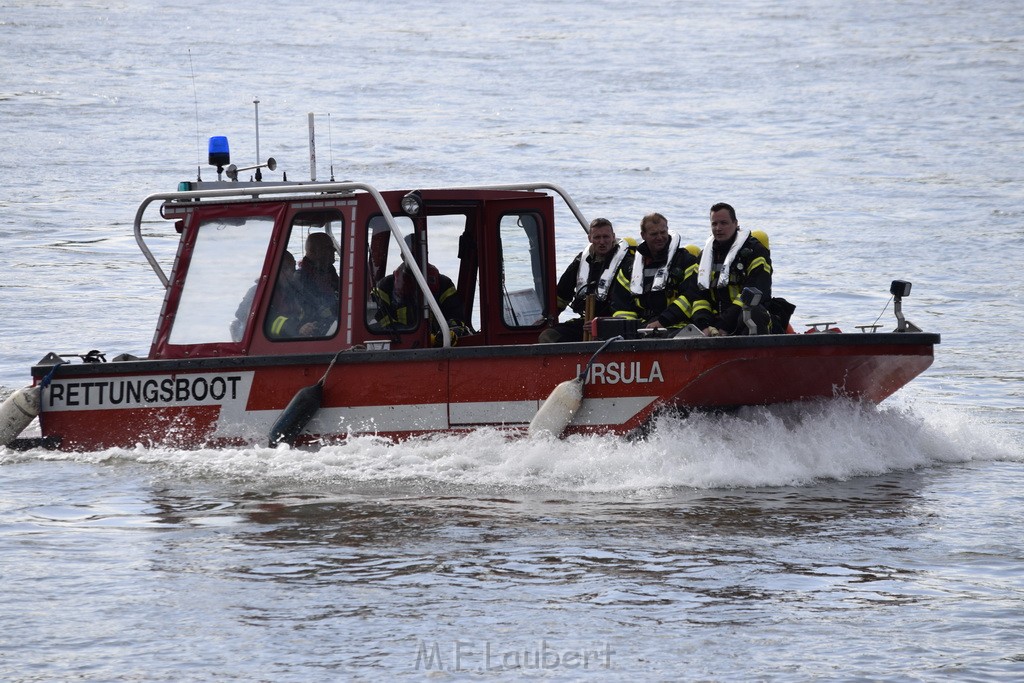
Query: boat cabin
270	269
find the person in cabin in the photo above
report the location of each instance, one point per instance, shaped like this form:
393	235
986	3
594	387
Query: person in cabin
592	272
398	299
732	259
318	280
656	280
285	315
242	314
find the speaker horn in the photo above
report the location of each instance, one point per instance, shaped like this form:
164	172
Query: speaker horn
232	171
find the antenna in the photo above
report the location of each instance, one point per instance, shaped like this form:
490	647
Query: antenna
233	170
330	145
195	95
312	148
256	103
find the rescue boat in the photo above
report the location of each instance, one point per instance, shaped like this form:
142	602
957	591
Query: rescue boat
226	367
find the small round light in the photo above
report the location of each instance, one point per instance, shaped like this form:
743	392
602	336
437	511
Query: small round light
412	203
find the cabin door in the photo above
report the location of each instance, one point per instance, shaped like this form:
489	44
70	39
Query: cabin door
517	275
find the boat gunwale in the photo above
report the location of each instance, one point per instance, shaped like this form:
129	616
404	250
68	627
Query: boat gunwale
357	355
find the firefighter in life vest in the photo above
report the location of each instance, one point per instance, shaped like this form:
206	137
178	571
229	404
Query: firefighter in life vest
591	273
399	301
734	258
656	282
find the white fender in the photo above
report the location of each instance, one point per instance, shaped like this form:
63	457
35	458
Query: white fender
558	409
17	412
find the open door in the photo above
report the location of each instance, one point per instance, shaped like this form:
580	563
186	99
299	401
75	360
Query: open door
517	269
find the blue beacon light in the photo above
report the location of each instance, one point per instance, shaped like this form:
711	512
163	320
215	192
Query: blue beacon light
220	156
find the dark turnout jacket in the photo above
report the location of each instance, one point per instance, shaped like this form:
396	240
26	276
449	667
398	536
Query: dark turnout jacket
671	305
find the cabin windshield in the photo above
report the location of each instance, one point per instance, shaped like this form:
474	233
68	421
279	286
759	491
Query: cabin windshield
226	265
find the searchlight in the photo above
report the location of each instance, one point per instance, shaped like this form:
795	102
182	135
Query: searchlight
412	203
900	289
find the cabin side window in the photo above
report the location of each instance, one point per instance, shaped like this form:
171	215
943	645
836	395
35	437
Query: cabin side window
304	302
450	245
226	264
522	269
393	301
285	315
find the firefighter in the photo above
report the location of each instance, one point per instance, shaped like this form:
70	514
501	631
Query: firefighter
655	283
591	272
733	259
398	300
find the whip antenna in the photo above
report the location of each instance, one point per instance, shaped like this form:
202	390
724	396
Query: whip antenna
195	96
330	146
256	103
312	148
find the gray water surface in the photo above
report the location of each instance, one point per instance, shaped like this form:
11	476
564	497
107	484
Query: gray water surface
872	141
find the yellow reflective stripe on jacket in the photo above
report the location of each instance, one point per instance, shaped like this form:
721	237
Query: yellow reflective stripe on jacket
445	295
734	295
702	305
684	305
401	315
761	262
401	318
277	326
622	278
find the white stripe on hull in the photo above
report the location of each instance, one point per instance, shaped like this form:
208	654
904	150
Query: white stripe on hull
109	395
493	412
610	411
370	419
432	417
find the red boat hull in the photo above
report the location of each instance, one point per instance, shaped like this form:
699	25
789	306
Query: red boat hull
398	394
